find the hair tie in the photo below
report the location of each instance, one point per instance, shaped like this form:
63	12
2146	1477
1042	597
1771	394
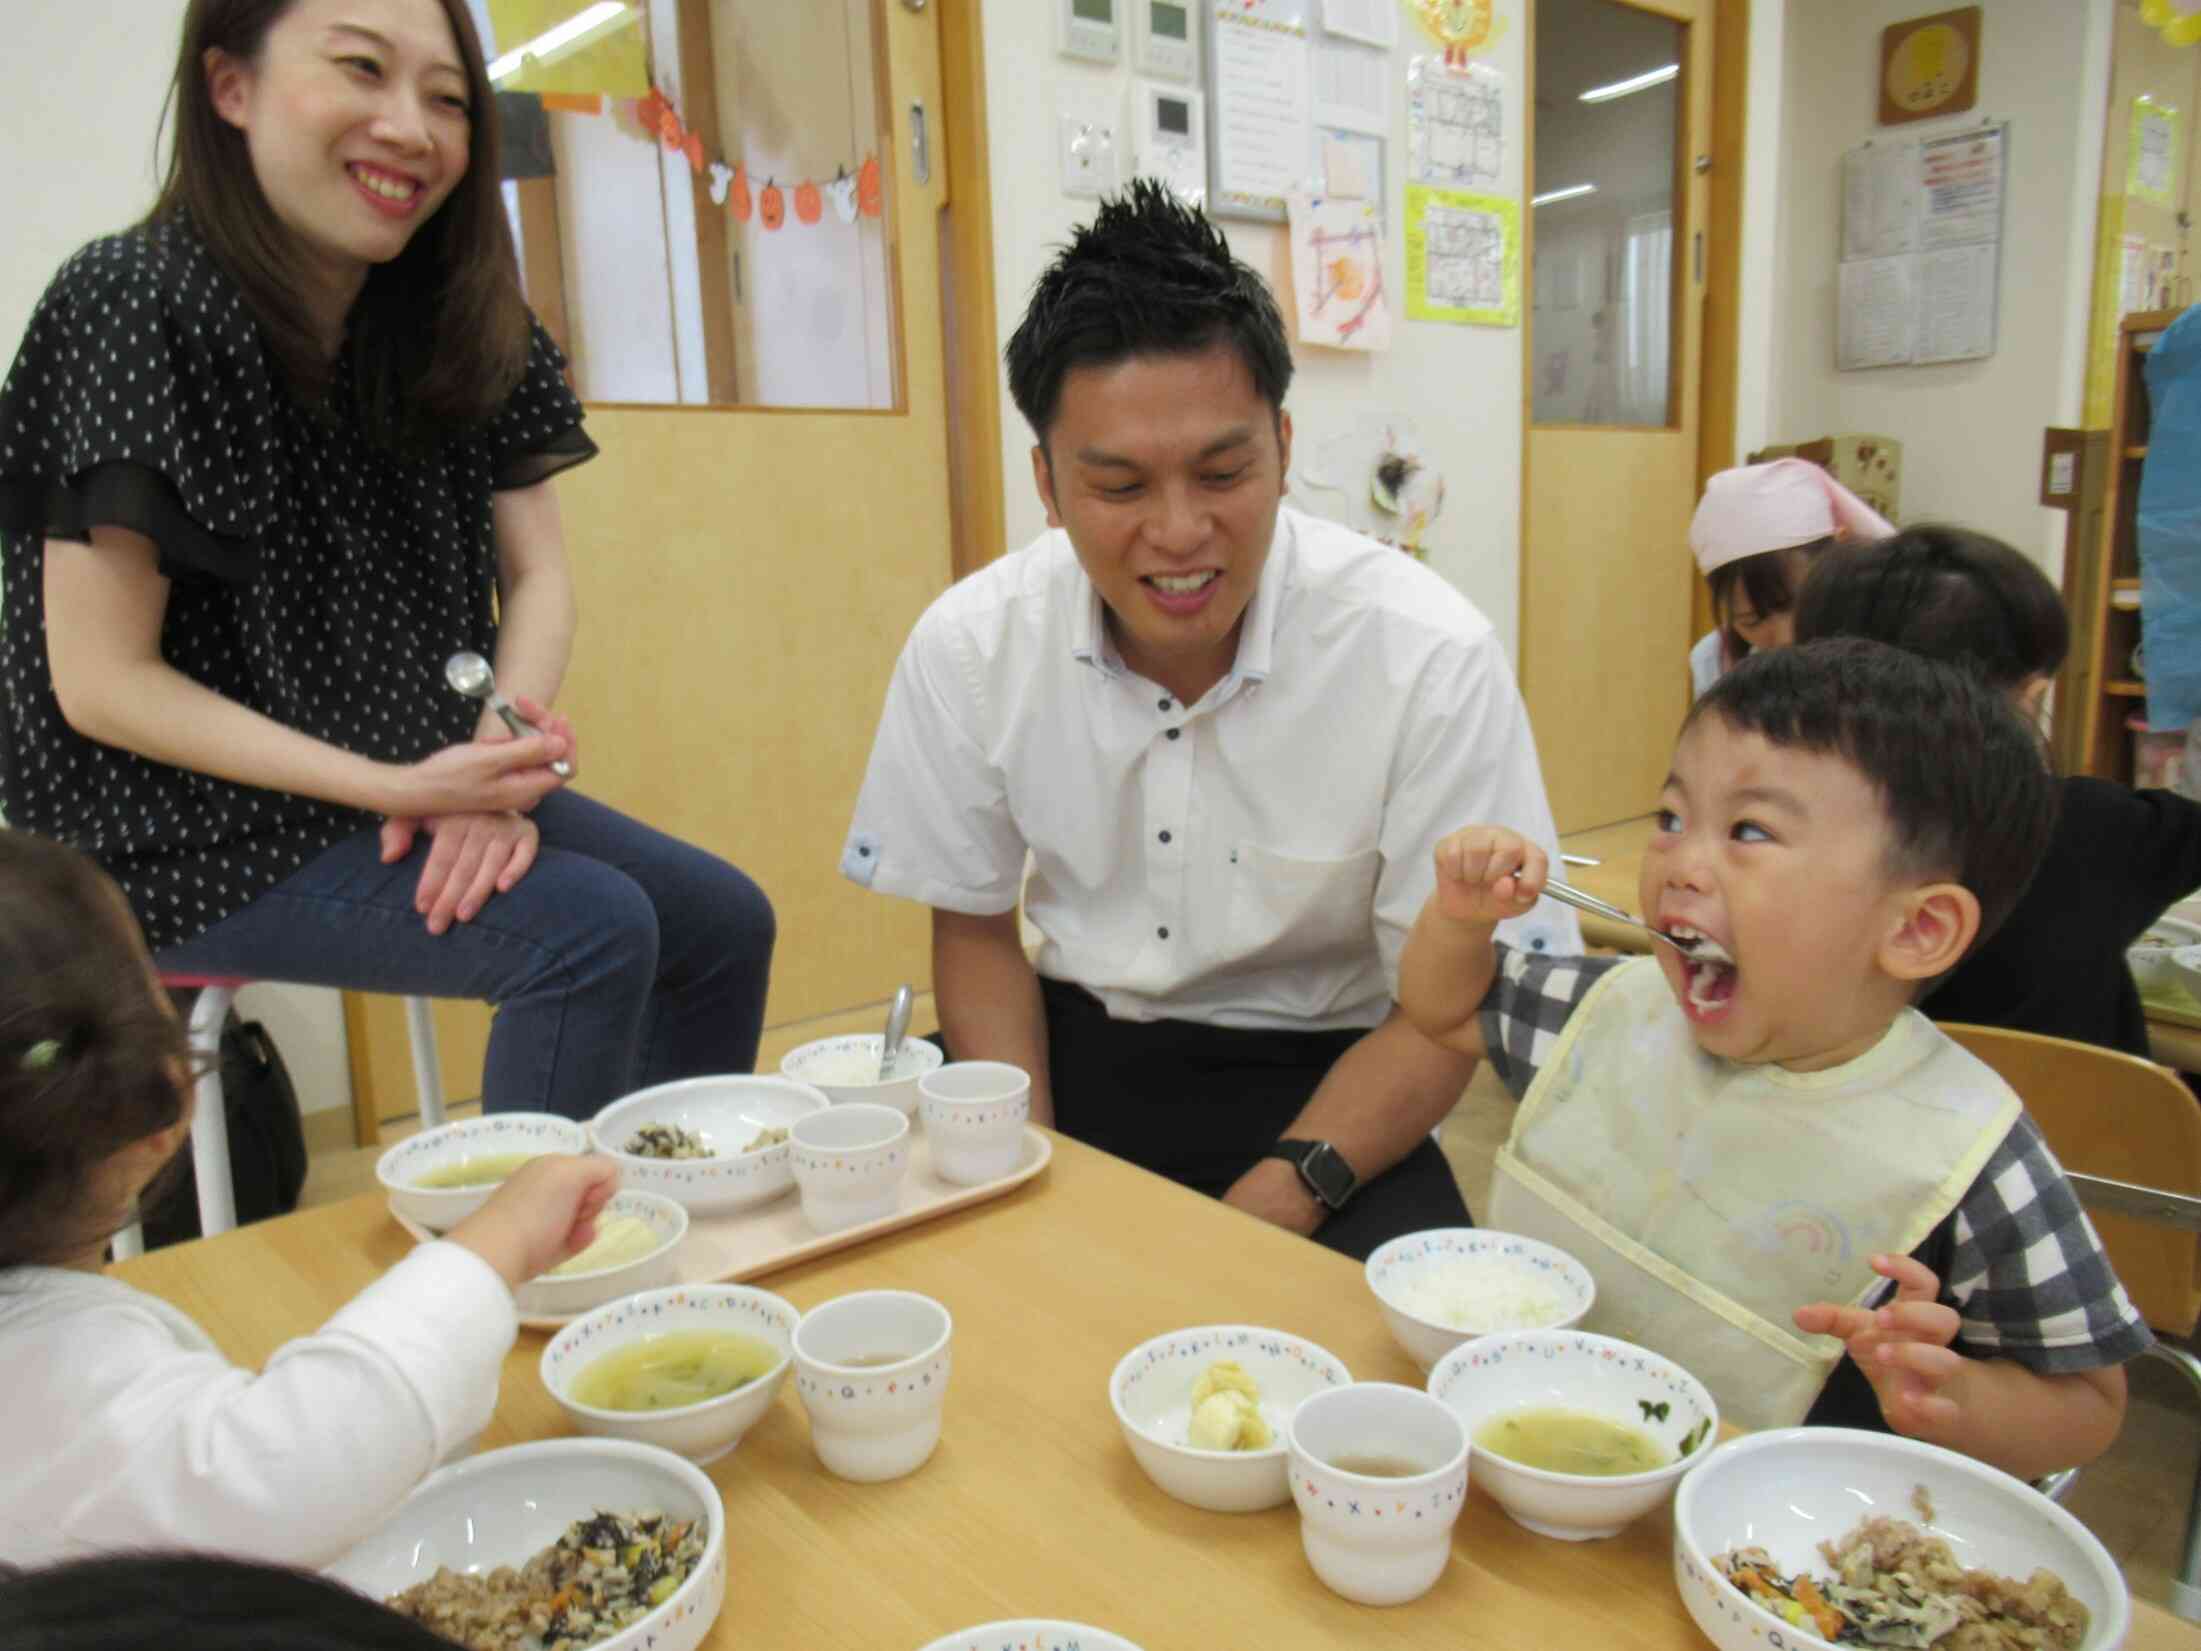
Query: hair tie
41	1056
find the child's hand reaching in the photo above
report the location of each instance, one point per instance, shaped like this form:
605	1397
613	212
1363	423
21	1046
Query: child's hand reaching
546	1212
1486	874
1902	1346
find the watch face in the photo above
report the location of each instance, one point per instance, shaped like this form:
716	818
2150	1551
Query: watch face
1328	1173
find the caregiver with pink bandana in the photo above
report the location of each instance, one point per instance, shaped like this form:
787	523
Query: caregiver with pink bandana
1755	532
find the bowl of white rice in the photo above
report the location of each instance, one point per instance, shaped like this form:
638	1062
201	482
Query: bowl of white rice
1449	1285
846	1068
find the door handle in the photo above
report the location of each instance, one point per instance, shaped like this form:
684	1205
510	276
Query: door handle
920	147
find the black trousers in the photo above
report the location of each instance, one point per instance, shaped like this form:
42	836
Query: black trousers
1200	1104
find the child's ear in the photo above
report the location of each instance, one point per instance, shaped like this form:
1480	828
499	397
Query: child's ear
1937	923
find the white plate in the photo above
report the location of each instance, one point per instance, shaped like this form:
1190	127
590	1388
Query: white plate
746	1244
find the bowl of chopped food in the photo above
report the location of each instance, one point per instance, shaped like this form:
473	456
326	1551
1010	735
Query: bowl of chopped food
563	1544
1800	1536
636	1236
846	1068
1203	1411
1032	1634
691	1368
713	1144
1448	1285
443	1175
2153	957
1575	1435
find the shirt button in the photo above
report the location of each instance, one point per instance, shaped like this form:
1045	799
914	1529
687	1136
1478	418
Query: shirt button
1163	932
1165	836
1165	705
1174	732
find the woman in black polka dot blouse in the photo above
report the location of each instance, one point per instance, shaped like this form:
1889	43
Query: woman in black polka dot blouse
266	461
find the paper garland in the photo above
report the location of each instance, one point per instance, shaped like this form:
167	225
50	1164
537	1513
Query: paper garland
851	196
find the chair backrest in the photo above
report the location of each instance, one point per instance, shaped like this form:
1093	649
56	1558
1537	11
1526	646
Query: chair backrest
2104	1112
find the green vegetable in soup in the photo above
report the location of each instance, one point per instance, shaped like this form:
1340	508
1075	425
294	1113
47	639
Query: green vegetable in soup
476	1172
682	1367
1571	1441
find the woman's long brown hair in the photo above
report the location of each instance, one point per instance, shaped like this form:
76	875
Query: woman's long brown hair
439	334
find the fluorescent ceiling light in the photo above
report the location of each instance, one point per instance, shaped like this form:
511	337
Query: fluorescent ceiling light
1635	83
1563	194
584	28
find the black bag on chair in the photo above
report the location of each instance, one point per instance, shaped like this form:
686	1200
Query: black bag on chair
267	1139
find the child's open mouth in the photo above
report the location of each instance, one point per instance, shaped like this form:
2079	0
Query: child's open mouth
1709	969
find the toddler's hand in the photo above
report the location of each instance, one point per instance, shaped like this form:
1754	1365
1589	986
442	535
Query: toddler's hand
1486	874
1902	1347
545	1213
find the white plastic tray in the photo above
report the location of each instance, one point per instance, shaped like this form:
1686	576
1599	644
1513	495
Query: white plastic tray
747	1244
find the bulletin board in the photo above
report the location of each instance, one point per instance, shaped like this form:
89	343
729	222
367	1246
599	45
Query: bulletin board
1921	249
1298	99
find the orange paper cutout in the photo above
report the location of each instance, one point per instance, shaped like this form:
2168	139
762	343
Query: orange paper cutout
694	151
669	131
809	204
867	188
737	198
771	206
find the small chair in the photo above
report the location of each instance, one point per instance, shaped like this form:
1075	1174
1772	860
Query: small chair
2129	1134
216	994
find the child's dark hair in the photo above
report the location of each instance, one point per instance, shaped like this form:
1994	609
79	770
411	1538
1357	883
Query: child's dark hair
1963	778
1953	595
90	1057
1767	579
124	1602
1150	275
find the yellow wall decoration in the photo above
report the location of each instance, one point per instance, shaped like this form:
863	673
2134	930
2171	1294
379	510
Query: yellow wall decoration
611	58
2180	20
1461	27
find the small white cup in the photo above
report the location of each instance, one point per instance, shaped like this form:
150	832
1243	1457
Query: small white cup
873	1420
849	1162
974	1113
1377	1539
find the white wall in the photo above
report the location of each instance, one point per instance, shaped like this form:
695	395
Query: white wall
1459	388
1971	431
81	89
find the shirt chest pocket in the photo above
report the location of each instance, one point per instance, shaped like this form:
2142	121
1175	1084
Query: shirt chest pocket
1284	906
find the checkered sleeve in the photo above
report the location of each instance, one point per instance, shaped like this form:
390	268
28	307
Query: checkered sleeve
2029	1276
1529	1002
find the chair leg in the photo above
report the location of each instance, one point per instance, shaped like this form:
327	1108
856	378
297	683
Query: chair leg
427	1062
209	1117
2185	1588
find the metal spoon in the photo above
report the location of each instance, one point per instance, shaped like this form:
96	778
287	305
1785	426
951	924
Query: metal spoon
1568	895
897	1023
469	674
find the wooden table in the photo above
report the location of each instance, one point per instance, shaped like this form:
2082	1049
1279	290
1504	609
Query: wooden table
2173	1042
1032	1506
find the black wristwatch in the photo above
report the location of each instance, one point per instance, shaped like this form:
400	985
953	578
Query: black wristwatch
1328	1176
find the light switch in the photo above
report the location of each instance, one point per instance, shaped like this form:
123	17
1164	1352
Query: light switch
1087	151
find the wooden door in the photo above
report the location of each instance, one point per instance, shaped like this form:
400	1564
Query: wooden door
1613	353
746	577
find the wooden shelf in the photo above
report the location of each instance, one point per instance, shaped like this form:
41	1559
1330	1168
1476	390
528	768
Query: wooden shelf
2126	689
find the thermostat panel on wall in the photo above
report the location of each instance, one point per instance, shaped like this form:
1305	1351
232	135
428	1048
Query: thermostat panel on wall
1169	129
1090	29
1166	38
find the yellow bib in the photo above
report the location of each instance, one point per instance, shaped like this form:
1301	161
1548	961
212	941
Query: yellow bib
1710	1199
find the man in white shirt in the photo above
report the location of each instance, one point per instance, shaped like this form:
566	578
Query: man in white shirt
1225	736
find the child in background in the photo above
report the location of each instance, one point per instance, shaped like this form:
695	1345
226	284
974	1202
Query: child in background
2117	857
124	1426
1755	533
1757	1140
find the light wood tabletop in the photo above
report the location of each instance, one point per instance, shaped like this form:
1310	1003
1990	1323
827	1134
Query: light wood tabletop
1032	1505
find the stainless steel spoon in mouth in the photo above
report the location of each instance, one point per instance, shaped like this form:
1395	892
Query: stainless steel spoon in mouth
469	674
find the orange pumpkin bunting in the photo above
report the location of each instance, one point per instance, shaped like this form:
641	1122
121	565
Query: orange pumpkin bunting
867	188
738	196
670	132
649	110
693	149
771	205
809	203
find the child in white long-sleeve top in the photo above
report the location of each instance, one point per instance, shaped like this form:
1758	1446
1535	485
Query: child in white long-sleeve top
124	1425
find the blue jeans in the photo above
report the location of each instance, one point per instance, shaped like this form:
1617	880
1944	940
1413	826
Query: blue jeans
623	958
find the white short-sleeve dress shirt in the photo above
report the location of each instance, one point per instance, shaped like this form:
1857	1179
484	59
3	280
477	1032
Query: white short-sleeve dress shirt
1254	860
125	1427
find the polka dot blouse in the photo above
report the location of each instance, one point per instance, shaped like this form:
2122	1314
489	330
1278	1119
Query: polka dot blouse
314	578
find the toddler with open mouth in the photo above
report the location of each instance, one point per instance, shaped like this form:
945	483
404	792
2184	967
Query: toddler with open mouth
1751	1137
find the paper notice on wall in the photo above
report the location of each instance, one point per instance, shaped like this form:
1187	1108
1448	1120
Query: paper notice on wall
1878	314
1352	87
1371	22
1455	124
1956	304
1962	180
1463	257
1263	116
1337	273
2151	154
2134	274
1879	201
